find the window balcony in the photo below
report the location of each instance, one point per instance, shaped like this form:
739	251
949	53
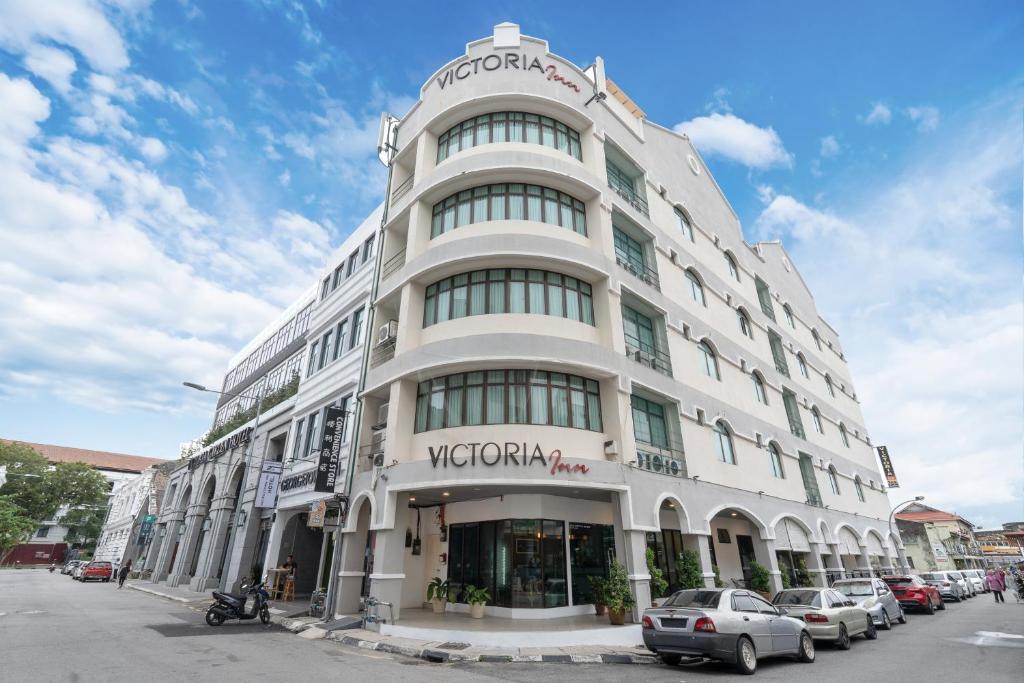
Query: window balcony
640	270
402	189
383	352
649	356
813	499
661	459
626	191
391	265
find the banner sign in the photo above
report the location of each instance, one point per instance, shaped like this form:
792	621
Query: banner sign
298	481
266	490
146	530
317	514
330	450
220	448
890	473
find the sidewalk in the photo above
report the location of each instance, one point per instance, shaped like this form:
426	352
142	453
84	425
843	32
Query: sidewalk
310	628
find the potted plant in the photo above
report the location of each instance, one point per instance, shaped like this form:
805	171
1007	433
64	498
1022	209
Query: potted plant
597	584
689	571
803	577
439	593
658	583
476	598
617	595
759	580
718	577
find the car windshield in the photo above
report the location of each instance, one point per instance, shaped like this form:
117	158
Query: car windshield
796	597
101	565
898	580
859	589
694	598
931	577
956	575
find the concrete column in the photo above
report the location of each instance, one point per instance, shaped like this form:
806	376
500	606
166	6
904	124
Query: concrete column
816	565
704	549
350	567
764	553
162	564
193	527
834	562
635	546
156	546
389	559
216	538
864	560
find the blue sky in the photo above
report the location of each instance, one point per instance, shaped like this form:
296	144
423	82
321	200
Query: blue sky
173	173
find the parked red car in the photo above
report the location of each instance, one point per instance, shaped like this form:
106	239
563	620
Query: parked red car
100	571
914	593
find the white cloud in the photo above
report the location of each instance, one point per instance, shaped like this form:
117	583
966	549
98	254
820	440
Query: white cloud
80	24
830	146
51	64
926	118
880	115
730	137
285	178
153	149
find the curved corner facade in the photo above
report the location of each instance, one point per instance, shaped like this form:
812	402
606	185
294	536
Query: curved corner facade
578	357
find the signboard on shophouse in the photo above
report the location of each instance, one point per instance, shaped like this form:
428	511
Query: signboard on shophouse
329	462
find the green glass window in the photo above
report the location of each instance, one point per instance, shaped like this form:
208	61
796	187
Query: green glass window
708	361
810	481
796	425
730	263
775	461
759	391
833	480
696	288
723	443
764	297
778	352
649	422
514	201
685	226
844	436
508	127
628	251
859	488
639	330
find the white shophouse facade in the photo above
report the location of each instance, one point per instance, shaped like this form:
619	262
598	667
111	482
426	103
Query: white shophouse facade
129	503
588	359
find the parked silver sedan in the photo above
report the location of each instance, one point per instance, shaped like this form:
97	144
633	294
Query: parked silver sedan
730	625
827	614
874	596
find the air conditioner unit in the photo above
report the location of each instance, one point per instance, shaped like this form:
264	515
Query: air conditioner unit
377	440
382	414
387	332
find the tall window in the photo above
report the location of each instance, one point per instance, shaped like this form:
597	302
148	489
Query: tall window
368	248
833	480
619	179
778	352
696	288
508	126
685	226
775	461
508	397
628	251
816	418
649	425
708	361
357	329
844	436
764	297
730	263
508	290
810	481
312	425
313	349
828	385
817	339
744	322
340	337
796	425
789	315
859	488
759	391
508	201
723	443
802	364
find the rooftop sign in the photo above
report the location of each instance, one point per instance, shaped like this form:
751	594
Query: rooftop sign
505	61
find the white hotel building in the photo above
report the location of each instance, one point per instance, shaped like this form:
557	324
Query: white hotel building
583	357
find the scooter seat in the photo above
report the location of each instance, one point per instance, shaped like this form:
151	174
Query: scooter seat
229	596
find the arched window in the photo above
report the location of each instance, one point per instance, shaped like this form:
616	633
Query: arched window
844	435
816	417
817	339
831	389
775	461
789	315
730	263
802	363
759	392
833	479
723	443
744	321
859	488
696	288
708	361
685	226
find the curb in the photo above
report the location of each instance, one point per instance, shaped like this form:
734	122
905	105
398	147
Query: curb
183	601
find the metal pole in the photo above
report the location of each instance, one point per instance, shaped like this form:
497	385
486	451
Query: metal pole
353	451
893	514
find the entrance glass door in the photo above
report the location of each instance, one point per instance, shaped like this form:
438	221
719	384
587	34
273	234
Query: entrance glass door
746	547
589	546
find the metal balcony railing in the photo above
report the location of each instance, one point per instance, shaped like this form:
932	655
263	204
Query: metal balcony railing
383	352
640	270
392	264
402	189
629	194
373	451
813	498
649	356
661	459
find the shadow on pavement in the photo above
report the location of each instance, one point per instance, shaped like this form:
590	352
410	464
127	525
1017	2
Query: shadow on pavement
201	629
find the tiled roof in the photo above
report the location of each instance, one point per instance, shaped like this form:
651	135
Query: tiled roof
101	460
936	516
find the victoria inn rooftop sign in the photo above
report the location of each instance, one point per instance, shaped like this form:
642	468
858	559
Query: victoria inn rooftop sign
505	61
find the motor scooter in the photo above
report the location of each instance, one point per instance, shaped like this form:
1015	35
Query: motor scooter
232	605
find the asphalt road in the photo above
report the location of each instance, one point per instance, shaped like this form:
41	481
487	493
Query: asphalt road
56	629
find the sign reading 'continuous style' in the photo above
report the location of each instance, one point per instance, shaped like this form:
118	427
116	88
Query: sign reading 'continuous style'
510	454
330	450
890	473
220	448
515	61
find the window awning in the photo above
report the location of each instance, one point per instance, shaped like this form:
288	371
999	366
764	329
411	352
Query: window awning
790	536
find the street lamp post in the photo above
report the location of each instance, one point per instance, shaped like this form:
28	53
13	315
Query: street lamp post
897	507
245	462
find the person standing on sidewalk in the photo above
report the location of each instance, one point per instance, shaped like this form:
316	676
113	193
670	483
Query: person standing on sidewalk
122	574
996	583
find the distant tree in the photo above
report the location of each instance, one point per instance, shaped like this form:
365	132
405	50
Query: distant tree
14	525
84	525
26	475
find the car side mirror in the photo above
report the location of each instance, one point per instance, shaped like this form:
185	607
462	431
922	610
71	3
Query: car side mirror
849	603
782	611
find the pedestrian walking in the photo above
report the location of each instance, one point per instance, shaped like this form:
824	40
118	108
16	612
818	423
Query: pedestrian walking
996	583
122	574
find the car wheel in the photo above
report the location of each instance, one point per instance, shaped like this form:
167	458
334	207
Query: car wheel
806	652
942	605
214	618
929	608
902	618
872	632
746	656
671	660
843	641
886	622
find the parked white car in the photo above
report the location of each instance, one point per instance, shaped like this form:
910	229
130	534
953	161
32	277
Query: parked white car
977	579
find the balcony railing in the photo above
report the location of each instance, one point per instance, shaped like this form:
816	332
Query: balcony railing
813	498
373	451
661	460
648	356
392	264
629	194
402	189
640	270
383	352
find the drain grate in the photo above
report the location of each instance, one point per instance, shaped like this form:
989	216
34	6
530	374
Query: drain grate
453	646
